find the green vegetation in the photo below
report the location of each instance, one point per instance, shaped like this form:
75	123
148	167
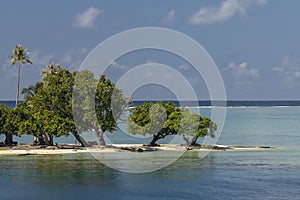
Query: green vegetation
19	56
164	119
106	111
49	110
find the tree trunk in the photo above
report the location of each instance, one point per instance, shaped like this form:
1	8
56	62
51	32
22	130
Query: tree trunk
18	85
100	134
188	142
79	139
194	141
154	140
45	138
8	139
41	140
50	140
35	140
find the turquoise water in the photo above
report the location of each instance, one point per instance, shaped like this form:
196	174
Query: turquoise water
266	174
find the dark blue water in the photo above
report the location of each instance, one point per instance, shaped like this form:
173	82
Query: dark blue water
270	174
9	104
229	103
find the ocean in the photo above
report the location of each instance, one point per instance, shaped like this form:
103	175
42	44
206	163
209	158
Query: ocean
247	174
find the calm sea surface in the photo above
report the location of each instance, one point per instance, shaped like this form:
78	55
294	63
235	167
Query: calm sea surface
265	174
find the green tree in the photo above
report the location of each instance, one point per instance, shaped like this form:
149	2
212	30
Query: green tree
49	108
31	90
109	105
193	126
31	125
9	120
150	119
19	56
160	120
97	105
3	110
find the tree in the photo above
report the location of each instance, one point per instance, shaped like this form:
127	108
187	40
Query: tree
19	56
109	105
164	119
101	113
194	126
31	90
3	110
50	107
9	121
159	120
32	125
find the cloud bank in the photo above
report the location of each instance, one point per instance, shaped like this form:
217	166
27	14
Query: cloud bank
242	70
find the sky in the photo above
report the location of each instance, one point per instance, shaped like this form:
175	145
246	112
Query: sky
254	43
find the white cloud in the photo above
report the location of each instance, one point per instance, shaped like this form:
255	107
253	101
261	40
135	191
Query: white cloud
289	72
116	65
223	12
73	58
169	18
295	73
278	69
184	67
290	66
242	69
40	60
87	18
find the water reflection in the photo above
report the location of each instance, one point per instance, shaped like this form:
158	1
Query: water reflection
57	170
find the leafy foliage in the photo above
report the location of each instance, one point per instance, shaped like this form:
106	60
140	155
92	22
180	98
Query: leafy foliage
149	118
159	120
97	105
10	118
49	109
195	126
3	110
19	55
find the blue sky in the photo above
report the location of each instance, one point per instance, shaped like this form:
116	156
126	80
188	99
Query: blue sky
255	43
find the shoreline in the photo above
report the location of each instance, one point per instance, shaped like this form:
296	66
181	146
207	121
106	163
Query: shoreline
71	149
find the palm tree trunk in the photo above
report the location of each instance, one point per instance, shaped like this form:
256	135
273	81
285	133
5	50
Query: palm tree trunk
18	85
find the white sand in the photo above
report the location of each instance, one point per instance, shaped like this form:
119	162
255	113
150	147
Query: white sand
117	148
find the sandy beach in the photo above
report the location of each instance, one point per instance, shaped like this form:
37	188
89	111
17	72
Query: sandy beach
30	150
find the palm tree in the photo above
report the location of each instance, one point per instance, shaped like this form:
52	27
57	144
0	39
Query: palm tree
52	69
31	90
19	56
28	92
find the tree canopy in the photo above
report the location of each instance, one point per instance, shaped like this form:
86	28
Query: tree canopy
164	119
63	102
49	107
97	104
